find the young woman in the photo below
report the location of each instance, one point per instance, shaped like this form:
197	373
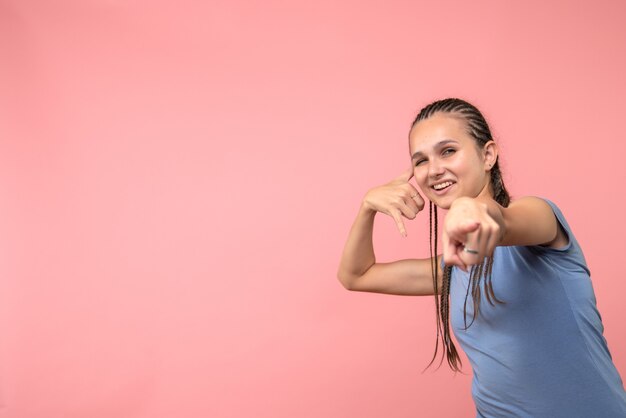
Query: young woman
511	280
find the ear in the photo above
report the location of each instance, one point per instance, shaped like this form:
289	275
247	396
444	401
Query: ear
490	155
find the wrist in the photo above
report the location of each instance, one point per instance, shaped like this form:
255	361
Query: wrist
367	209
494	210
463	201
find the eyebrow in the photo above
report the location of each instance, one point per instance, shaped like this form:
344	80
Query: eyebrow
439	144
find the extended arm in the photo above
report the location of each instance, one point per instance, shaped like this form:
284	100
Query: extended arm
481	224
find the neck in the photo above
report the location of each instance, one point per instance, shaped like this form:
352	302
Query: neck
486	192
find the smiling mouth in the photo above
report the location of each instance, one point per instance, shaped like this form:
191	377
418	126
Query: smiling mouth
442	186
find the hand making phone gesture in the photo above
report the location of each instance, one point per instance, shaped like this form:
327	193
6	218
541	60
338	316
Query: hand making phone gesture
397	198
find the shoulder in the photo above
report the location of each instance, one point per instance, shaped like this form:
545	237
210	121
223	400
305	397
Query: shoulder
532	220
563	234
531	203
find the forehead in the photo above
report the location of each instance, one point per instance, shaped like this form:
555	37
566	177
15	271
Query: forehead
441	126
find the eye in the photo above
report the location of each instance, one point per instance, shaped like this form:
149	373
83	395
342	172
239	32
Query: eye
419	162
448	151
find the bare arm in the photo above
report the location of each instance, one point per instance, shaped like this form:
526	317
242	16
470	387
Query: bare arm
531	221
482	224
358	270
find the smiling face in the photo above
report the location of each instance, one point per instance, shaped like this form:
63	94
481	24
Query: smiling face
446	160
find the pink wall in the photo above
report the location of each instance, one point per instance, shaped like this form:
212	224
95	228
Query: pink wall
177	180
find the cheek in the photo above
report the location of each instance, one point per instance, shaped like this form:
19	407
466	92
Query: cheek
421	177
464	167
459	165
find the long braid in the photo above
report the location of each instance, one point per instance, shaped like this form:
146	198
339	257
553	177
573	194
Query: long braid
442	301
435	270
501	195
477	127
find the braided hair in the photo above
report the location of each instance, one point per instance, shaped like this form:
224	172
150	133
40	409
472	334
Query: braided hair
478	129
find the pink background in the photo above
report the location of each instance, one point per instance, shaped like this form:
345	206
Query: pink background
177	180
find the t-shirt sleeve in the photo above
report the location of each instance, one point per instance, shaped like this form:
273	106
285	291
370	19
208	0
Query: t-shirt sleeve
569	256
563	225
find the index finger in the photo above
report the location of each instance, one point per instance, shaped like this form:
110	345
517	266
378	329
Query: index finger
451	253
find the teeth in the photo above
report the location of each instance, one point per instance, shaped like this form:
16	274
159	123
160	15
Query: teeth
442	185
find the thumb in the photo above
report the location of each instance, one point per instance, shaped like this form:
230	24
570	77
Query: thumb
406	174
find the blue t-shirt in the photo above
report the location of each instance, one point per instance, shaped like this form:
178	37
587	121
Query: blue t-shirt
541	354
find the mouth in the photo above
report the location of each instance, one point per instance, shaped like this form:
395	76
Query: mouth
442	187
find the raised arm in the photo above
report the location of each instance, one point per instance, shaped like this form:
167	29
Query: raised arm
480	224
358	269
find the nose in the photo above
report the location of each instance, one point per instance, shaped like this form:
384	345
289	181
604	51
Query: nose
435	168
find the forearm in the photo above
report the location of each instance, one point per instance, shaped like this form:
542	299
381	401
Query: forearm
358	253
527	221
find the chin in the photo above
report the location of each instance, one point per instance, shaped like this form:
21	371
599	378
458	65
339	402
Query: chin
442	203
